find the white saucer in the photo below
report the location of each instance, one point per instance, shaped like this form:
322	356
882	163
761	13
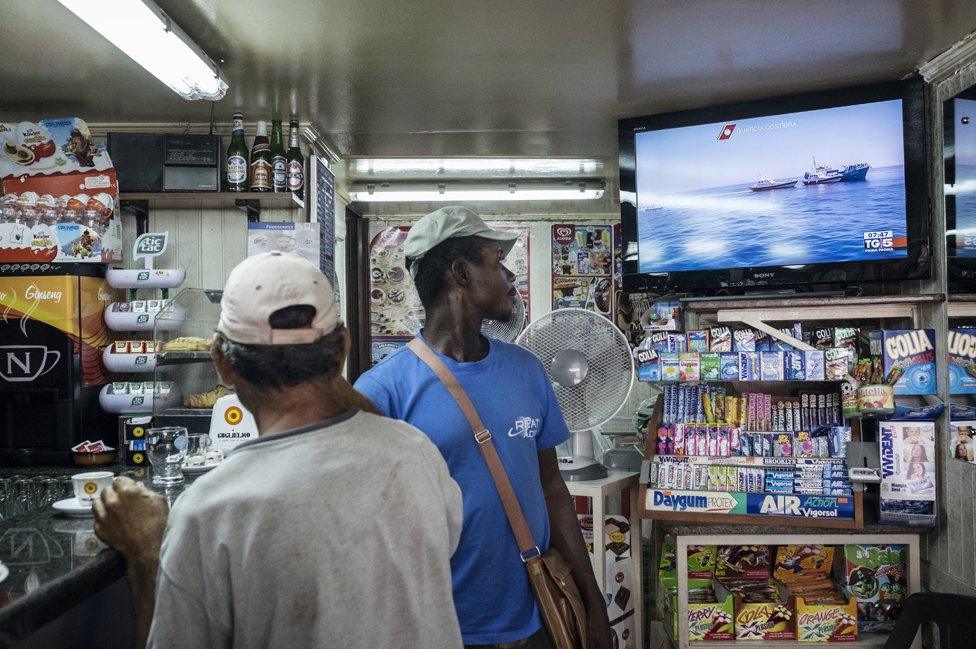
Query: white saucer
197	469
4	572
70	507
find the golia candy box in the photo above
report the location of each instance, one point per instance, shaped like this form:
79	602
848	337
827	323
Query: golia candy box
962	360
908	359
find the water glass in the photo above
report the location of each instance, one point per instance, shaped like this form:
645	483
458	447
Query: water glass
196	449
166	448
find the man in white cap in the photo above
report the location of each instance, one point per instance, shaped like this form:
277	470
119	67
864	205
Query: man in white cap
456	261
333	529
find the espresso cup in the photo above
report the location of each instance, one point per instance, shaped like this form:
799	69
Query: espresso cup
88	486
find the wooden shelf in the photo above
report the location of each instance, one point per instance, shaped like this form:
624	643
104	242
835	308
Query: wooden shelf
250	202
828	303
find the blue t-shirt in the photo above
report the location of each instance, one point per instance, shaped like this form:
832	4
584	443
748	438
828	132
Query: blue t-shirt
510	390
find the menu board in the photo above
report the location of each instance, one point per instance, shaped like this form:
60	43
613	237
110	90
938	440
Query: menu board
396	314
323	184
582	267
286	236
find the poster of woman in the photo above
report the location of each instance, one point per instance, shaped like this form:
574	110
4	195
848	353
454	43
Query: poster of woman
961	444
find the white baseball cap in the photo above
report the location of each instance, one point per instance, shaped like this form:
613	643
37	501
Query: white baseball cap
267	282
447	223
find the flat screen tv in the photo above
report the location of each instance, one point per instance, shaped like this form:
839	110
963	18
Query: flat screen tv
825	188
959	147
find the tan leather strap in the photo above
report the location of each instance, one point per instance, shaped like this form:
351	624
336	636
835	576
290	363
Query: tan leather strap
482	436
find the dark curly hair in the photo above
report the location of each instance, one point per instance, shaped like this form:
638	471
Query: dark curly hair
431	275
278	366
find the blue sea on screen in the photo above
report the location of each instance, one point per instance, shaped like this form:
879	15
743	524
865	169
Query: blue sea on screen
733	227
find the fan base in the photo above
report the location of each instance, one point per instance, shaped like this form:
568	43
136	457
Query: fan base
581	469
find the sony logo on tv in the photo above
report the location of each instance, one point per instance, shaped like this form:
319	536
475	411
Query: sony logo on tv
768	275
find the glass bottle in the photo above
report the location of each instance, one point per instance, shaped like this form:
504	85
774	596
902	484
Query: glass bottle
261	160
237	164
296	162
279	163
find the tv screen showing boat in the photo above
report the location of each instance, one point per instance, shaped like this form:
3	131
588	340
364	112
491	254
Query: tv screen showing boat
817	186
827	187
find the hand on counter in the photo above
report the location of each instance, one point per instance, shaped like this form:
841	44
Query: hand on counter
131	518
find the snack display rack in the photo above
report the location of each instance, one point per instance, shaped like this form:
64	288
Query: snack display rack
734	502
137	356
183	333
766	518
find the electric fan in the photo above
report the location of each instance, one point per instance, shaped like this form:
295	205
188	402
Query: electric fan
591	368
507	330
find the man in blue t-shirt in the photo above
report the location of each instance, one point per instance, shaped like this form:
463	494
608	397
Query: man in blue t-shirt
456	262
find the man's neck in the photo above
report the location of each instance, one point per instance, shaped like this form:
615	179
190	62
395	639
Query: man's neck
299	406
455	331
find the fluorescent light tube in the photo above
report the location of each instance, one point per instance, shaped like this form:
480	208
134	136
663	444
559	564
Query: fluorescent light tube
150	38
573	190
553	166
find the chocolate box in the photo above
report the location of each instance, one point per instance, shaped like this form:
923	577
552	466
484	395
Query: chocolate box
876	575
743	562
701	561
706	620
765	620
826	622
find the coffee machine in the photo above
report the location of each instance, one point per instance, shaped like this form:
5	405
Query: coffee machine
52	333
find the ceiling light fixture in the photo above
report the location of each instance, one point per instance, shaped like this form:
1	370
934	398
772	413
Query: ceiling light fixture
150	38
506	166
430	192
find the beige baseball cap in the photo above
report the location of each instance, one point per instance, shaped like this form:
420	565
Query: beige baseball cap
447	223
267	282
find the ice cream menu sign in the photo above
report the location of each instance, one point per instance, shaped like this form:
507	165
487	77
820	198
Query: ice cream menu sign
59	193
582	267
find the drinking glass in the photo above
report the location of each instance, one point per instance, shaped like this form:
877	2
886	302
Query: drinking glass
196	449
166	448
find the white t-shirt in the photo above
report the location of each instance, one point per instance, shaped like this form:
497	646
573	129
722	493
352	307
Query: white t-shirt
338	534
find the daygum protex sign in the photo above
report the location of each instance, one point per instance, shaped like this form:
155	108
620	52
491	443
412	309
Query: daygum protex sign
667	500
840	507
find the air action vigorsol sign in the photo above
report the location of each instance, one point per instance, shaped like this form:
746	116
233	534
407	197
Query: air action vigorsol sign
801	506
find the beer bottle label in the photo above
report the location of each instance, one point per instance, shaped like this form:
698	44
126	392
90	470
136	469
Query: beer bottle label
280	170
236	170
238	124
260	175
296	176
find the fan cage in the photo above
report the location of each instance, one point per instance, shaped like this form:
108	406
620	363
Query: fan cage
610	376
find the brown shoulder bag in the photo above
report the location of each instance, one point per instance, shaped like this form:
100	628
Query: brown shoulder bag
552	581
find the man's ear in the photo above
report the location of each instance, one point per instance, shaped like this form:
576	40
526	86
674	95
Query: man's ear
224	369
461	271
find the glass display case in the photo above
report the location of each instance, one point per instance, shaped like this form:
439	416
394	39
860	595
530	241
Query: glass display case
186	381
